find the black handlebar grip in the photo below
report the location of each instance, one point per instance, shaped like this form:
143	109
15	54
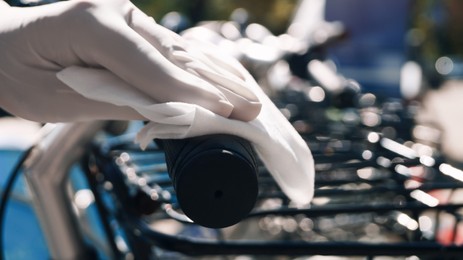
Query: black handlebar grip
214	177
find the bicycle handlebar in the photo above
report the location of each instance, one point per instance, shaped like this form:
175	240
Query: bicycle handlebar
214	176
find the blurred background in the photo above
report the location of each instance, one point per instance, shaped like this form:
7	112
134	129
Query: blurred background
382	36
275	14
409	51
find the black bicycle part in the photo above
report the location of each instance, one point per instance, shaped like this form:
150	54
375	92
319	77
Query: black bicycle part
214	176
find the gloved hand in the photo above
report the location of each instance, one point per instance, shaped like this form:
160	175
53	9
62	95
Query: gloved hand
116	37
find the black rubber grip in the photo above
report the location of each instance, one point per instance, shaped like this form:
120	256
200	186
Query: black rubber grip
214	177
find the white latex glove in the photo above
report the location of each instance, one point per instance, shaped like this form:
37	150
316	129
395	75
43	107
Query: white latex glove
38	42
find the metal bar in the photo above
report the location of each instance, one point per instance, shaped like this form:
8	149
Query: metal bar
46	173
193	246
327	211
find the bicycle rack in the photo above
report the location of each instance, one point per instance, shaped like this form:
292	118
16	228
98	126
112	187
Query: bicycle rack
374	197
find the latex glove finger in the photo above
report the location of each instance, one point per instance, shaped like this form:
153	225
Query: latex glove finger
229	73
175	48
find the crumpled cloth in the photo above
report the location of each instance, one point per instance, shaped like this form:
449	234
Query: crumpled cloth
279	146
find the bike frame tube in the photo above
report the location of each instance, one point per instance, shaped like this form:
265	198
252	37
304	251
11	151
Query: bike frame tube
46	172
